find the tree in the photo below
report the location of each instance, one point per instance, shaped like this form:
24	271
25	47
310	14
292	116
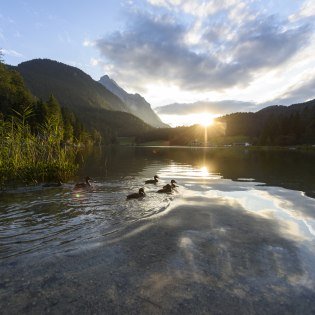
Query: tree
13	93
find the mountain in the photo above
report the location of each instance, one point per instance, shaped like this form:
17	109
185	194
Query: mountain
135	102
277	124
70	85
96	106
305	110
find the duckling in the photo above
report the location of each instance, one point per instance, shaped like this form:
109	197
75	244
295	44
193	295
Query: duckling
137	195
86	184
173	181
58	184
166	189
152	181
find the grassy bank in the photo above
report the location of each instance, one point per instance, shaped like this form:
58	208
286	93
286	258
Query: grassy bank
27	157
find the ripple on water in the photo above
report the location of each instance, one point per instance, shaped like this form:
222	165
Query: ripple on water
39	220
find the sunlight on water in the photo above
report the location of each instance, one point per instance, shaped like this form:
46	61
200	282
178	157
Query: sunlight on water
38	218
228	230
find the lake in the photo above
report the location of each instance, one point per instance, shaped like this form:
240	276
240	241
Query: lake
237	236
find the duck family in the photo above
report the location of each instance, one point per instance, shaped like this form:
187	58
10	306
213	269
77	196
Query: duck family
167	189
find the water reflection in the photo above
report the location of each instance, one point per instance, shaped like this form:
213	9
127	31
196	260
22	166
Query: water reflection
237	235
32	219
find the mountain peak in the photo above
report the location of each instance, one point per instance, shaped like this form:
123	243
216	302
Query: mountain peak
111	85
135	102
55	77
96	106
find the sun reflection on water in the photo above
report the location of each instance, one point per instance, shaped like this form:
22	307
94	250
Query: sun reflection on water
186	171
204	171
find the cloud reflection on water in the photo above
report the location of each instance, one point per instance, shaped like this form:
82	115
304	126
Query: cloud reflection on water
217	245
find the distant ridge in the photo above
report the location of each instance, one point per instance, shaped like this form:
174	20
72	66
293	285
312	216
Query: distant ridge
70	85
96	106
276	124
135	102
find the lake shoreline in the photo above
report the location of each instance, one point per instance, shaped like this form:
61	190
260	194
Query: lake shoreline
298	148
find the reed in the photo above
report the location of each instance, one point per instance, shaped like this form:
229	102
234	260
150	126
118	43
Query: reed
31	157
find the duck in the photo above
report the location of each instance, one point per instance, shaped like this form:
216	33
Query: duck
152	181
140	194
86	184
173	182
166	189
57	184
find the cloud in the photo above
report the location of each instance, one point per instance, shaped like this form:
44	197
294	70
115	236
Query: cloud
297	93
12	53
307	10
88	43
226	53
216	108
196	7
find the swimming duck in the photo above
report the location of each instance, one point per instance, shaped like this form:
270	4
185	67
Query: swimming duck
58	184
152	181
166	189
86	184
173	182
140	194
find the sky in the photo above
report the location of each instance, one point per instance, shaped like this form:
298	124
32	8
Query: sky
224	55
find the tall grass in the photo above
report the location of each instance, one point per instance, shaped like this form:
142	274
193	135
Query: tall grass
31	157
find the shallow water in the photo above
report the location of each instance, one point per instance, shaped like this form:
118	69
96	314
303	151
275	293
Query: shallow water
236	236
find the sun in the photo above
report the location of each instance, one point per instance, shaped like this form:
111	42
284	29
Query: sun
205	119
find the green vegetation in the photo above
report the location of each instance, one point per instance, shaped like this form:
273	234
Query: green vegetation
38	140
39	136
29	157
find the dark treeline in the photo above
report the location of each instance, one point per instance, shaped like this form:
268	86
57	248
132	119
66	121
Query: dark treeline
275	125
195	134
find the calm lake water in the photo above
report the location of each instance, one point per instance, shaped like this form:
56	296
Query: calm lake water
236	237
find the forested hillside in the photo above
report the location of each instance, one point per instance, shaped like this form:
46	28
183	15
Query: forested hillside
275	125
96	107
74	88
